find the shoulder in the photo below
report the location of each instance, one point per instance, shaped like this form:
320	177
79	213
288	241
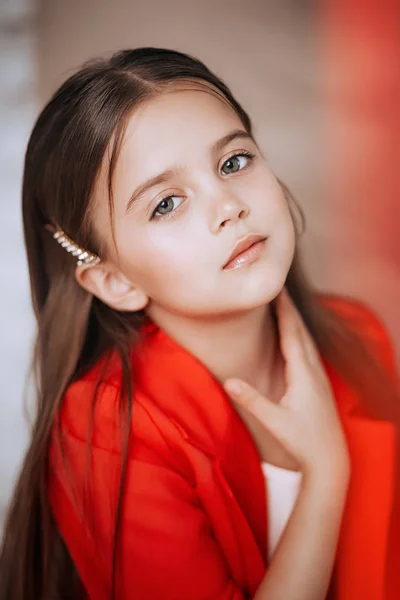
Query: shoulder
351	308
364	321
95	412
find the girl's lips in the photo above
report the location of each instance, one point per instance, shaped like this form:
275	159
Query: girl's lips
247	257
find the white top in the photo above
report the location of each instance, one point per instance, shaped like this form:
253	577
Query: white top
282	487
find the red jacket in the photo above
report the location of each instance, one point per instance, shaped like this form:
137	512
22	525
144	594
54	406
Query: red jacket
194	518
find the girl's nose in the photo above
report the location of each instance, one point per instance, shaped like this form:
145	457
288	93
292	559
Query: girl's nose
228	210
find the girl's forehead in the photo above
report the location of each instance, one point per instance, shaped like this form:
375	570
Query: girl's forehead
192	116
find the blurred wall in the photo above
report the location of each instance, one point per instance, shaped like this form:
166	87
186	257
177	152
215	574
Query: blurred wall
17	111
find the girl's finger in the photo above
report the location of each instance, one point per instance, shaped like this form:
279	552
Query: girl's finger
250	399
305	337
289	335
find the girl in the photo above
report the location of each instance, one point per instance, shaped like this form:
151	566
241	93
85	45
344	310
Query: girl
208	426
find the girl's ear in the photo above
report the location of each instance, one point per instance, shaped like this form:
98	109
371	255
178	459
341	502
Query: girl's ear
108	284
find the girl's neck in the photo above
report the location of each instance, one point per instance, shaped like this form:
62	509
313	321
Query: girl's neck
245	346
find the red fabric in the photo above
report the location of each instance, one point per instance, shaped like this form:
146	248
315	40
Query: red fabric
194	519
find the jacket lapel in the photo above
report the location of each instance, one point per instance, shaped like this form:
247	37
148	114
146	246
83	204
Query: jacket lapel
220	450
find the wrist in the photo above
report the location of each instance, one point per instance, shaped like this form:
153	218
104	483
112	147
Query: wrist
332	465
333	476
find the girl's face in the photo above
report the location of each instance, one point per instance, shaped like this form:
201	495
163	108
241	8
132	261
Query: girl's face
174	236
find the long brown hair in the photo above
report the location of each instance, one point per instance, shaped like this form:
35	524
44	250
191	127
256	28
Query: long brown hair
63	158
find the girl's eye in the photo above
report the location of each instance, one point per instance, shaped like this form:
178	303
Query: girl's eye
166	206
234	164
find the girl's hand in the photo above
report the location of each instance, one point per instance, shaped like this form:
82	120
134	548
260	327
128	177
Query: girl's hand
305	422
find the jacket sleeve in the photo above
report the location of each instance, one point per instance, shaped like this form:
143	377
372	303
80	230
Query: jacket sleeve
166	550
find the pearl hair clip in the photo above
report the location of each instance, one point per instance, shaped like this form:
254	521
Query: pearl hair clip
83	256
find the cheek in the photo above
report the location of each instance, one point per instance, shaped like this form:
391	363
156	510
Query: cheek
278	208
276	214
264	193
158	260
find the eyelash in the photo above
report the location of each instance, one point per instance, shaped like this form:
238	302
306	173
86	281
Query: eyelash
245	153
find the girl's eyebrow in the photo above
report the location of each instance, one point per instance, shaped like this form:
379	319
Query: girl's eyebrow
170	173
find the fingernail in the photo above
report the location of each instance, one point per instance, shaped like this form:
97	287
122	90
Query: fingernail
234	387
